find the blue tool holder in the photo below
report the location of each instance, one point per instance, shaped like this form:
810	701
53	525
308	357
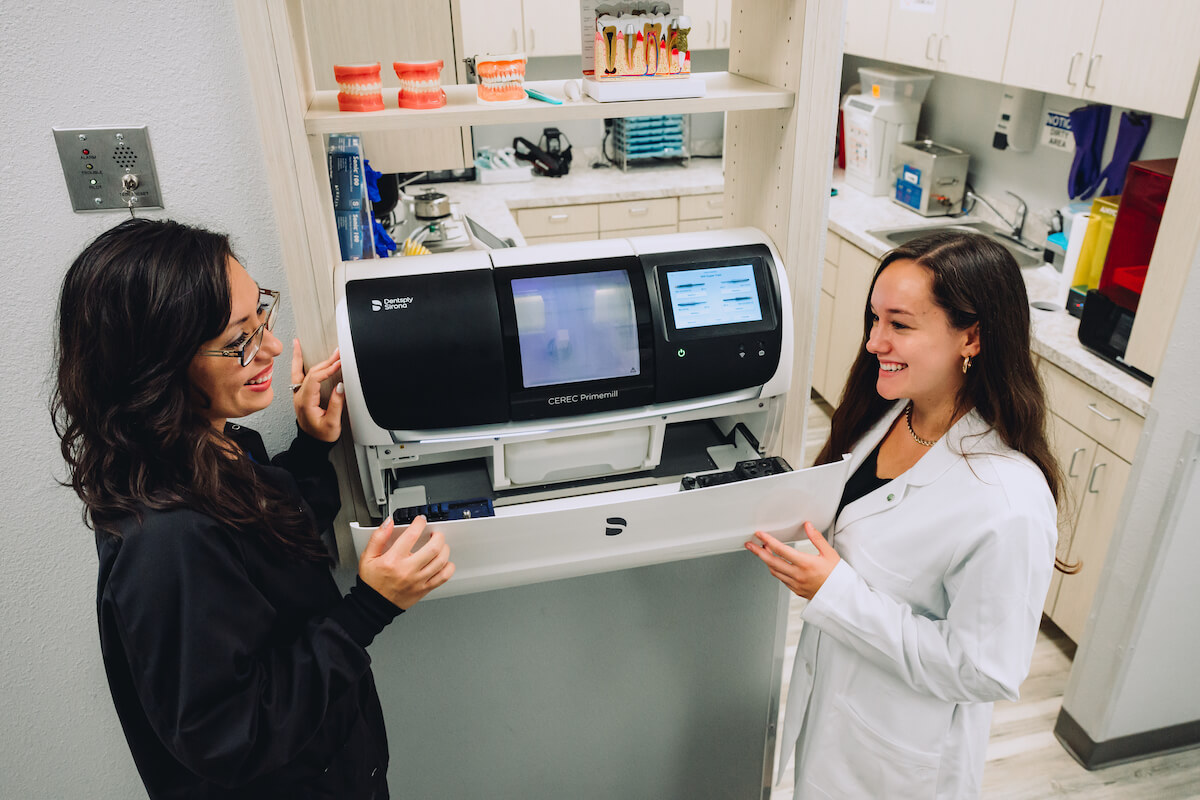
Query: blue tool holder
640	138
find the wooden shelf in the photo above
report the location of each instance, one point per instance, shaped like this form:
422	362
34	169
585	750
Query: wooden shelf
725	92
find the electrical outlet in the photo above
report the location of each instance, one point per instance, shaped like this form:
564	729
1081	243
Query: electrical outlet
108	169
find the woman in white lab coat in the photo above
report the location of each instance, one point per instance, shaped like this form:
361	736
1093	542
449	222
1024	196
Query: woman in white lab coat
924	604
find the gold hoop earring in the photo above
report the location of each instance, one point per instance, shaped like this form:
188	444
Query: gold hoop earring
966	364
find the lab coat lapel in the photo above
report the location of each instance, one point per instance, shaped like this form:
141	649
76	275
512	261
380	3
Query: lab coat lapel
931	466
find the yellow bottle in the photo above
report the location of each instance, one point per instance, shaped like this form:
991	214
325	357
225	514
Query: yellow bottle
1095	242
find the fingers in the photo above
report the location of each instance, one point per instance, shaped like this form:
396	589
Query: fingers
327	368
380	537
814	536
337	399
406	540
297	362
786	552
445	574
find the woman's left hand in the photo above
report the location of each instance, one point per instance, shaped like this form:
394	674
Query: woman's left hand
802	573
320	423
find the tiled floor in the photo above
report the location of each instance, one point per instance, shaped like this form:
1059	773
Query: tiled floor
1024	760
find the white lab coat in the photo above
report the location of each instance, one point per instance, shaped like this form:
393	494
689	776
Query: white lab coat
931	615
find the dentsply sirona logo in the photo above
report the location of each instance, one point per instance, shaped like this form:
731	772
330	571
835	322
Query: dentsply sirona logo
617	526
391	303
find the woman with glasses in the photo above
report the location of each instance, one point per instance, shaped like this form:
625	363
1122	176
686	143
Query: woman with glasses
237	668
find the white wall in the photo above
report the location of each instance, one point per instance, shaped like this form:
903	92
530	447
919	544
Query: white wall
177	68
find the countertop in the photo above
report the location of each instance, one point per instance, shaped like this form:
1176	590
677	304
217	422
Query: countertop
851	214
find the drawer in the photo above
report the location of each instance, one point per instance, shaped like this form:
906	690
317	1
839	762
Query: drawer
557	220
565	538
1111	424
832	245
639	214
654	231
566	237
710	224
699	206
829	278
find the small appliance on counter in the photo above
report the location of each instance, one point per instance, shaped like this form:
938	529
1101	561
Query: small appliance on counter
1109	309
432	220
930	177
874	121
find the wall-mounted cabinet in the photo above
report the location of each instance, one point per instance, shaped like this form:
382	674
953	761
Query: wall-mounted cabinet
711	21
1137	55
961	37
533	27
866	28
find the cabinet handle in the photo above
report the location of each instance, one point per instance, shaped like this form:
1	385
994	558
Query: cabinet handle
1092	408
531	44
1071	68
516	40
929	42
1087	79
638	212
725	32
1075	455
941	42
708	32
714	202
1092	480
558	217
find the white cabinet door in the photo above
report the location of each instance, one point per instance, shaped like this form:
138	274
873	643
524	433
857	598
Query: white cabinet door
1050	45
1089	546
723	23
974	38
913	32
703	14
856	267
552	27
491	26
867	27
1074	451
1145	56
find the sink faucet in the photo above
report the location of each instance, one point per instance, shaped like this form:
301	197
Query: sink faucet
1018	223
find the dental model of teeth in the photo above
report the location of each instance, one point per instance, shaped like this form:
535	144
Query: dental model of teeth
641	46
420	84
501	78
359	87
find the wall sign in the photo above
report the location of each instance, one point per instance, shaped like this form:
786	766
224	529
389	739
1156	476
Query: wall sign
1056	131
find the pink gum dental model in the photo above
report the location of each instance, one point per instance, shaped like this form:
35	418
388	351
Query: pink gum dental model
420	84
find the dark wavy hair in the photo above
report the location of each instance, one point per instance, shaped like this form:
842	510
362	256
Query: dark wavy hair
975	280
136	306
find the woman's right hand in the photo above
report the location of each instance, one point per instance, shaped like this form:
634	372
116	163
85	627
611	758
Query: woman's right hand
399	574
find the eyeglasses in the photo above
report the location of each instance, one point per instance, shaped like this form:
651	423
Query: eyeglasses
268	309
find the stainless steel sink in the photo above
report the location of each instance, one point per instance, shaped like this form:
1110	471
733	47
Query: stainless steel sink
1025	257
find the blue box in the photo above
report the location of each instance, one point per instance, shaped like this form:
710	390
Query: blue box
350	234
346	181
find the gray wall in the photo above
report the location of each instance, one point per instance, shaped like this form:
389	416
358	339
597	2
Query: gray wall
178	68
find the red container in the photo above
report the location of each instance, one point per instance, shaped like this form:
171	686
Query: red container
1138	217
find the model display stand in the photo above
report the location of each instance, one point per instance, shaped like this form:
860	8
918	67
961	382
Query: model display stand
638	51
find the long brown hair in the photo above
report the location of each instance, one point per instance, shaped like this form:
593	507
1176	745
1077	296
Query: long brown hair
975	280
135	307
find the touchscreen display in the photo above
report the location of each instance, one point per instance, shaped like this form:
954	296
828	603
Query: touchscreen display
574	328
714	296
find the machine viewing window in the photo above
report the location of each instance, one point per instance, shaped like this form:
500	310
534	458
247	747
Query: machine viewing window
721	295
578	327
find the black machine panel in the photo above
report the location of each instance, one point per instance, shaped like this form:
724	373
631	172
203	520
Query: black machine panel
718	320
429	349
577	337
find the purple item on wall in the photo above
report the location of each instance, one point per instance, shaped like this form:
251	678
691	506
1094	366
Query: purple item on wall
1131	135
1089	126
